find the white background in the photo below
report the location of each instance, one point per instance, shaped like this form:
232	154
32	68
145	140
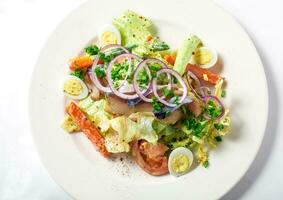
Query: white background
25	26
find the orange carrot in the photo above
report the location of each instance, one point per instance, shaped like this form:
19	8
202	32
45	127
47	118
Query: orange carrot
82	62
204	74
87	127
149	38
170	59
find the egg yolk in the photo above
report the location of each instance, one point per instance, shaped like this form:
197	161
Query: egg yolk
180	163
73	87
203	57
109	38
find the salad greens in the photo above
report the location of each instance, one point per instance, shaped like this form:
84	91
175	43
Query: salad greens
185	53
199	125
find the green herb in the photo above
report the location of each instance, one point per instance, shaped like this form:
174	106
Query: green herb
78	73
175	80
167	93
205	164
223	93
196	127
218	138
176	100
158	45
105	58
131	47
167	112
100	72
92	50
119	71
143	77
212	109
154	67
157	106
219	126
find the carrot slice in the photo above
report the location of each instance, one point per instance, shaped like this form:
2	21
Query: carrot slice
170	59
204	74
82	62
87	127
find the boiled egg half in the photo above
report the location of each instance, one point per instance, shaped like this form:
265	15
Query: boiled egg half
75	88
109	34
205	57
180	161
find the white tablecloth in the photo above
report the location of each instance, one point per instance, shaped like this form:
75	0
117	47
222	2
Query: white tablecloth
25	26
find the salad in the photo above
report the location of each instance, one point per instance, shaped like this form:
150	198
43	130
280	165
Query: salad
130	93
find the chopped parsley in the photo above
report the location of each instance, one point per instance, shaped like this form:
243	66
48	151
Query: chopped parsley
167	93
92	50
158	45
195	126
157	106
219	127
205	164
223	93
105	58
100	72
218	138
143	78
212	109
78	73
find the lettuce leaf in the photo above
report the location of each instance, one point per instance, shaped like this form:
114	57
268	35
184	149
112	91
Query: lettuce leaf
96	113
134	28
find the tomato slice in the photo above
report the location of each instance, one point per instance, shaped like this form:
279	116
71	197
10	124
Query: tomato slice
150	157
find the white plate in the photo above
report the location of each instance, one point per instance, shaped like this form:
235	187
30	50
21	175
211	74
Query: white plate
71	159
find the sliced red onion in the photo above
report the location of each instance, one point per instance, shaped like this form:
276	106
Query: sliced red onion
139	67
110	81
116	46
206	90
218	101
180	80
93	76
126	88
195	78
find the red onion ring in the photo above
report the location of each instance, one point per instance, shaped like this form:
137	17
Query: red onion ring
195	78
179	78
135	83
110	82
94	78
215	99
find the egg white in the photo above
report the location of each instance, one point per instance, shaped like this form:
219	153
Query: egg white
109	28
178	151
84	92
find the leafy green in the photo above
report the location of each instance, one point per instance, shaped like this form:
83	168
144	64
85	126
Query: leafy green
95	112
100	72
157	106
158	45
219	126
212	109
92	50
218	138
223	93
79	73
167	93
185	53
134	28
